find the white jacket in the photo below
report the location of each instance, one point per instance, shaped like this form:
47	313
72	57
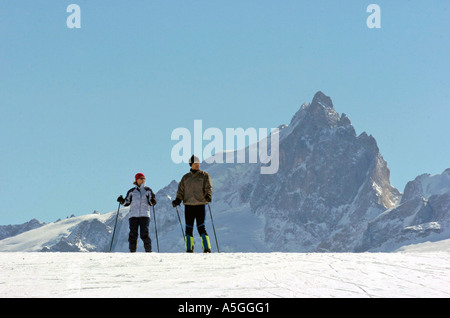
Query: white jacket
138	198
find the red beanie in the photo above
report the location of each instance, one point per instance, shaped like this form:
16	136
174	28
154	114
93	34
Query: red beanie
138	176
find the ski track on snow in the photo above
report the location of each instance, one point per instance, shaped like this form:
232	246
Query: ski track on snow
265	275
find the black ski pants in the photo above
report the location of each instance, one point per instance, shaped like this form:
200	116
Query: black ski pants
141	224
195	213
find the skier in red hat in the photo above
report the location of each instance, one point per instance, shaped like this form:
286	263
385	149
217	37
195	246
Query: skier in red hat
139	199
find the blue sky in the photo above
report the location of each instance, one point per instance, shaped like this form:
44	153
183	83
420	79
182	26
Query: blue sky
83	110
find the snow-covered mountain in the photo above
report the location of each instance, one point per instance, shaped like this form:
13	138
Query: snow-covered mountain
423	215
330	184
331	193
12	230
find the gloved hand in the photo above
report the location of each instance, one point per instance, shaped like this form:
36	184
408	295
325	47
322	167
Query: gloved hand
208	198
121	200
176	202
152	200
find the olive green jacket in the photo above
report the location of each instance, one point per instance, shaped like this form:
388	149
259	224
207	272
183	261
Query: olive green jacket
193	188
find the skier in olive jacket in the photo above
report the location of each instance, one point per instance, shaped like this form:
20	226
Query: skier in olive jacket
195	190
139	199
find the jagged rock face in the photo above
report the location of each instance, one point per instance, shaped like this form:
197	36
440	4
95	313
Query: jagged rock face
422	215
426	185
329	185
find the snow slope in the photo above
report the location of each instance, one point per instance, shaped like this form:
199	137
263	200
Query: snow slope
261	275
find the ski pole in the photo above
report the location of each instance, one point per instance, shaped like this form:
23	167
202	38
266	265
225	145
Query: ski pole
212	221
181	225
179	220
114	232
156	231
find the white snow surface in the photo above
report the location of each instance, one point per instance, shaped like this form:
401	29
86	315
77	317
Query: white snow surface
262	275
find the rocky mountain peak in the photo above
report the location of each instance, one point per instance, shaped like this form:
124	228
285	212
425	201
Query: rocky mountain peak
319	115
322	99
329	176
426	184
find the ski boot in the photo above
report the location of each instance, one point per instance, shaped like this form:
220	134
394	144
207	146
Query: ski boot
189	242
206	245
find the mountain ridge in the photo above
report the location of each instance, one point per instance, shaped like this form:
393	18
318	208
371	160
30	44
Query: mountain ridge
331	194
